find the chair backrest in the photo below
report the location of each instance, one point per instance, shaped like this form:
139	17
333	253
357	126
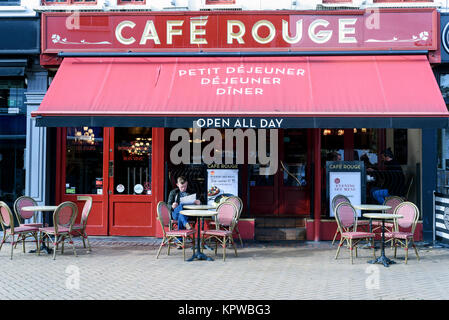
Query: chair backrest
227	215
339	198
65	215
393	202
346	216
86	208
163	215
410	213
238	203
6	218
21	202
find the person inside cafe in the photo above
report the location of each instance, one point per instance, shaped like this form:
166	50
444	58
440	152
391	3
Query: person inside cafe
390	181
174	202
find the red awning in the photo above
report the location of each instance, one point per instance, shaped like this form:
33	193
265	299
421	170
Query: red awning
320	86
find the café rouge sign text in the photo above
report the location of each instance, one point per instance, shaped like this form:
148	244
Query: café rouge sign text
263	31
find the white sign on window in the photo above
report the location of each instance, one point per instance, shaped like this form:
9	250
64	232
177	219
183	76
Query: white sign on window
222	181
348	184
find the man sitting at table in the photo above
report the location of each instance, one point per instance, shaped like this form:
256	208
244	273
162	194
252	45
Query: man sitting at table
174	200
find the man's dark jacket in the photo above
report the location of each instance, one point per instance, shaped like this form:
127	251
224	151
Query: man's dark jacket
174	196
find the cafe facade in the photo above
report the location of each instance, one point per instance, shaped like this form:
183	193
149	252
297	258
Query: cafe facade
265	99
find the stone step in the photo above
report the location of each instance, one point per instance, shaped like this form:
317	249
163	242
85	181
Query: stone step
279	222
270	234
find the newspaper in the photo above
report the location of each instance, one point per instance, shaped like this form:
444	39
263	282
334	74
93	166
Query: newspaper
188	199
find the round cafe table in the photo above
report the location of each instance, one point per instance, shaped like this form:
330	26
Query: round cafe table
45	209
382	216
371	207
200	207
197	254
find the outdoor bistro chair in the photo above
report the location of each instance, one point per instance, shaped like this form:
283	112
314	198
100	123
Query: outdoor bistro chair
22	232
21	215
63	220
339	198
170	236
346	217
79	229
226	217
239	204
410	214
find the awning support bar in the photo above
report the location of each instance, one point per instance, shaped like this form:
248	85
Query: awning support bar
238	53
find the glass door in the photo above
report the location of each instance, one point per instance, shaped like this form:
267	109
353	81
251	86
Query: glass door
83	163
130	182
294	184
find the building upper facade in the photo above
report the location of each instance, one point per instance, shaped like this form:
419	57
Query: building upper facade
30	7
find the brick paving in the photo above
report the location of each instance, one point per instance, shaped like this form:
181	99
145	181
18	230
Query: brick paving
126	268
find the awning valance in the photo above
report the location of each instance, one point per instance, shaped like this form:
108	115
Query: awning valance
310	92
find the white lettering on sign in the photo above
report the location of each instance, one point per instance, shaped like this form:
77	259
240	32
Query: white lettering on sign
173	32
321	36
271	29
235	35
119	29
344	31
319	31
194	32
285	32
149	33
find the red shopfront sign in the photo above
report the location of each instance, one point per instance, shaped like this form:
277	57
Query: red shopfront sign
384	29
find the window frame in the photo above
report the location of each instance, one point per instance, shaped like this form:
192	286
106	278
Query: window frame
69	2
10	3
131	2
220	2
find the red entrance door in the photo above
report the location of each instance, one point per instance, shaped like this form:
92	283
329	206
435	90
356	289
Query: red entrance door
287	193
119	169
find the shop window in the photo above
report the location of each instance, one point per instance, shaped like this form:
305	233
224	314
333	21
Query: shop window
68	2
444	86
220	2
84	161
295	158
12	172
124	2
132	161
12	96
332	145
9	2
383	1
400	145
365	146
337	1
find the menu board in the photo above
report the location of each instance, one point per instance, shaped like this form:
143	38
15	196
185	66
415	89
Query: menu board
221	182
346	178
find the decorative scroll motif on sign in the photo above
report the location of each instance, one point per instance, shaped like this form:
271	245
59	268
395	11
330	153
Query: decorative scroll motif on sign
56	38
423	36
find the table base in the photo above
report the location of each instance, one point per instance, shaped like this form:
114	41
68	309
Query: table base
200	256
43	248
382	260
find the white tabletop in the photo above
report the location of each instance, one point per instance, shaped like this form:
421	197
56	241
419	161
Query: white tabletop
198	207
39	208
382	216
373	207
198	213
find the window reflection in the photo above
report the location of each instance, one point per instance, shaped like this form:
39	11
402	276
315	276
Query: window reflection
84	161
132	167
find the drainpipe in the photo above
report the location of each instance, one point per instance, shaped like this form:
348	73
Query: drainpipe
317	184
